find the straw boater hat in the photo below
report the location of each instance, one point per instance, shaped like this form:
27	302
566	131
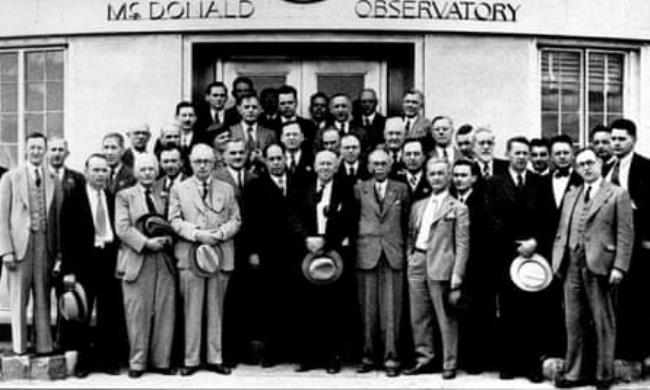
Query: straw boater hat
73	305
322	267
531	274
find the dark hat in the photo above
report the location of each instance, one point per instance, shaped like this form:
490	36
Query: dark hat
154	225
531	273
73	305
322	267
216	128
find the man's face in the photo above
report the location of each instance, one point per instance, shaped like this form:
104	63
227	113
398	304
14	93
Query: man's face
395	136
318	108
240	89
170	136
170	162
602	144
287	105
217	98
35	150
292	137
235	155
413	156
221	140
379	165
112	150
325	166
465	146
539	158
368	103
411	104
331	141
97	172
187	118
249	109
518	156
484	146
202	162
438	175
57	153
275	160
443	132
146	172
588	166
350	149
340	108
622	143
562	155
463	177
139	137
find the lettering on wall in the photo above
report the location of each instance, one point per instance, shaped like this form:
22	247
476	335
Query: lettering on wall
436	9
166	10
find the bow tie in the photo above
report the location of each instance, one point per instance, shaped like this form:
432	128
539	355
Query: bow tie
562	172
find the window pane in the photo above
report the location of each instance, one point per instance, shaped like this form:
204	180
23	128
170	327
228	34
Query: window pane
34	122
54	91
549	125
54	122
594	120
263	81
570	125
34	97
550	98
9	67
570	97
331	84
35	66
596	98
54	65
615	99
8	128
8	98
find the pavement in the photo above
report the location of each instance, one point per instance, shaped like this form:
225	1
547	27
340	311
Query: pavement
283	377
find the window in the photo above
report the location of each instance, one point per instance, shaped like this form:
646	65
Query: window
31	98
581	88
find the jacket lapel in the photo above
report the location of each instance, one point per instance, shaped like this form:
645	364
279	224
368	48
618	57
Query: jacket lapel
195	193
600	198
369	192
23	185
50	185
389	198
443	209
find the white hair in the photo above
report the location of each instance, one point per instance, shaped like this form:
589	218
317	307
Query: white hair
144	158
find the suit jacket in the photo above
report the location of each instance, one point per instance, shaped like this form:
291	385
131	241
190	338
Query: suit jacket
204	119
434	153
224	175
128	158
3	170
123	179
478	265
305	169
130	205
163	193
231	116
361	174
264	136
15	218
381	227
639	190
448	244
360	132
188	213
422	190
78	233
609	231
375	130
71	180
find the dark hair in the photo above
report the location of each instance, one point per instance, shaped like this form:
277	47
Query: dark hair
36	135
184	104
94	155
561	139
289	123
440	117
214	84
242	79
467	163
412	140
517	139
119	137
599	129
170	148
318	95
464	129
246	95
624	124
286	89
279	145
540	143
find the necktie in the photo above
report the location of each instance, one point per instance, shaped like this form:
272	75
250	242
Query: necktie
37	177
251	140
282	186
240	179
293	162
168	183
413	181
520	181
462	198
588	194
366	121
216	118
150	205
616	171
205	190
380	196
100	216
351	171
445	155
111	179
407	125
319	192
486	169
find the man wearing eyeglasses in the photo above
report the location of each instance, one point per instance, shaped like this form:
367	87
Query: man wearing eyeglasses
484	151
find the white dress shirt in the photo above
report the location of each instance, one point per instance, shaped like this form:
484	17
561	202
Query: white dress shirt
95	196
450	153
414	179
427	219
217	114
281	182
322	205
514	174
559	187
245	126
623	170
237	176
355	167
297	154
380	187
186	138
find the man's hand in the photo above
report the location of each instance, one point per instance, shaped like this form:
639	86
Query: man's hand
56	270
254	260
206	237
314	244
645	244
10	261
456	281
527	247
156	244
68	281
615	276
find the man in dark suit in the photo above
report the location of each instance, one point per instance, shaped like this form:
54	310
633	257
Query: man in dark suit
213	111
591	253
484	151
300	159
351	170
513	214
287	106
185	115
413	120
632	172
370	119
89	248
57	153
341	111
268	116
465	142
270	251
394	136
120	175
321	220
380	262
171	166
139	136
240	86
540	156
413	172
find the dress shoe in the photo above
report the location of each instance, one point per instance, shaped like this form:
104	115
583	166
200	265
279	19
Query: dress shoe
420	368
187	371
449	373
392	372
135	374
112	371
603	385
564	383
304	367
364	368
535	377
81	372
333	367
219	369
506	375
165	371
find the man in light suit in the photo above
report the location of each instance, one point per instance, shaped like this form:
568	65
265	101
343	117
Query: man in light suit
147	274
413	120
203	210
591	253
381	240
438	249
29	205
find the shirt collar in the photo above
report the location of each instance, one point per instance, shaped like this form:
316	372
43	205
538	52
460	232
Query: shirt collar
514	174
370	117
595	185
285	119
200	183
627	160
245	126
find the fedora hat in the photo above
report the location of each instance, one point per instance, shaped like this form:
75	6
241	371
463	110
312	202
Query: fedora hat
322	267
531	274
154	225
205	260
73	305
